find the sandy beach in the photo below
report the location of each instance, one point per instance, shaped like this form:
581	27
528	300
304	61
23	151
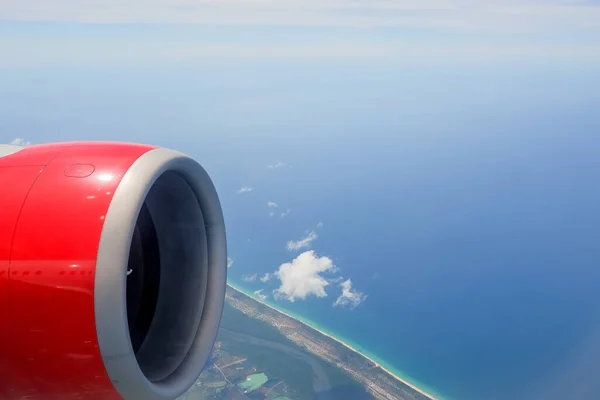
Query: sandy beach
338	341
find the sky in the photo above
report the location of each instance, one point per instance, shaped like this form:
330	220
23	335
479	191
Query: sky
377	30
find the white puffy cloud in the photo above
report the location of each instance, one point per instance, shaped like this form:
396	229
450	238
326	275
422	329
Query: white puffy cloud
278	165
266	277
249	278
244	189
272	204
305	242
302	277
350	297
286	213
20	142
230	262
260	295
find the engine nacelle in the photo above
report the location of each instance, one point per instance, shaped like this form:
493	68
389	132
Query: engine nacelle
112	271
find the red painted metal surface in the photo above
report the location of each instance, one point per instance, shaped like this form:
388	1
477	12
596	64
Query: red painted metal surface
51	344
15	183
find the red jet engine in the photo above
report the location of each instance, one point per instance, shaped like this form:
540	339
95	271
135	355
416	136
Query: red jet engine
112	271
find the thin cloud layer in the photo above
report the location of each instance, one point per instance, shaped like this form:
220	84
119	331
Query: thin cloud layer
303	277
20	142
277	165
249	278
485	15
266	277
303	243
260	295
432	31
272	204
244	189
350	297
286	213
230	262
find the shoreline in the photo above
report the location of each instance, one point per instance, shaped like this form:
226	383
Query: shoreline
378	365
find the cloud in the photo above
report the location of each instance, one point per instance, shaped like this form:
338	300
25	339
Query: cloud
278	165
271	214
410	50
319	225
286	213
249	278
429	31
302	277
336	279
266	277
483	16
301	12
272	204
230	262
305	242
260	295
350	297
244	189
20	142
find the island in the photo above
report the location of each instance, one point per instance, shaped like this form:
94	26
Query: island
263	353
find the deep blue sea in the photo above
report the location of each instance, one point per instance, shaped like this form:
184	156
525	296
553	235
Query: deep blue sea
465	203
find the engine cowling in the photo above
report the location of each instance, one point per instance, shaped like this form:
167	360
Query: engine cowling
112	271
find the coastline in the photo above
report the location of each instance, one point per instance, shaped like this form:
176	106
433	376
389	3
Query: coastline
377	364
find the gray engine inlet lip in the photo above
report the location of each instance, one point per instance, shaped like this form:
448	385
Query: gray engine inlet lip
110	282
8	149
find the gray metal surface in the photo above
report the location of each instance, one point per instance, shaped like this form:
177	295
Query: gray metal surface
8	149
